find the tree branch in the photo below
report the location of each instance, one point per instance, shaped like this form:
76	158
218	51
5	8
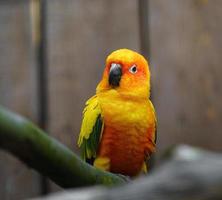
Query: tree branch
46	155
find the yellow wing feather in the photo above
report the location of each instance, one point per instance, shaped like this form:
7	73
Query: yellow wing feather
90	128
155	120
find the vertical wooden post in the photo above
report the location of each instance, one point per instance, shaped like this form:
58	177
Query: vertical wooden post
143	6
39	35
144	27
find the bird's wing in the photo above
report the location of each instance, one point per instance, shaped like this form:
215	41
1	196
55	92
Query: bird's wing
155	121
91	129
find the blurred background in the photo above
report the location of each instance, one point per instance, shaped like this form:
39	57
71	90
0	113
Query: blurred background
53	54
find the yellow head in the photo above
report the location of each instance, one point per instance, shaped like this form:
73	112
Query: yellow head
128	73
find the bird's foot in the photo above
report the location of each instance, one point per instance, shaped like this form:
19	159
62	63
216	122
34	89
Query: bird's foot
125	178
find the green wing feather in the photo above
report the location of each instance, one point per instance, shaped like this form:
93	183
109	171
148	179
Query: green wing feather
91	129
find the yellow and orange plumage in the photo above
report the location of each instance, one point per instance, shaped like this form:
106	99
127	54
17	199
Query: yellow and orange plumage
119	124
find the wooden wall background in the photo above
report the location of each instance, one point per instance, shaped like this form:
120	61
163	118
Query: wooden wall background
182	38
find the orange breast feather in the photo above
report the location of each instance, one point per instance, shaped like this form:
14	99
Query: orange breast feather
128	133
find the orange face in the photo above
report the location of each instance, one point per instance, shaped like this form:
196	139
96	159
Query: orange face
127	72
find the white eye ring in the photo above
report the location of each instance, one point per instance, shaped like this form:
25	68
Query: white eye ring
133	69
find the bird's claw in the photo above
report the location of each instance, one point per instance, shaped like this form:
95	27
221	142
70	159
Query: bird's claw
125	178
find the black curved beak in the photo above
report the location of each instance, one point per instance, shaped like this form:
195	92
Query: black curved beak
115	74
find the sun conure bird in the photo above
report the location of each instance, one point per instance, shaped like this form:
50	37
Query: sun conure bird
119	124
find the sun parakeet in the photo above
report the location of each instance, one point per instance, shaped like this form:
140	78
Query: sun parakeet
119	124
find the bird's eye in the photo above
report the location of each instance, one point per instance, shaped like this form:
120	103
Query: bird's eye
133	69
